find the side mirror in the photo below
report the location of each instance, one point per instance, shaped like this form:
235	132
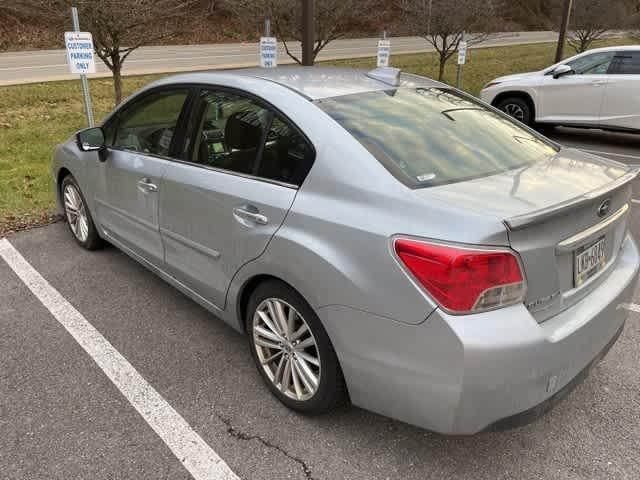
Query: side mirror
561	70
92	140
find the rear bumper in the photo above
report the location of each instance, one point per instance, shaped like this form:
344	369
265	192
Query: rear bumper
528	416
465	374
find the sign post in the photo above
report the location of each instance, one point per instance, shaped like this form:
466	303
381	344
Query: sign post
462	58
384	51
79	47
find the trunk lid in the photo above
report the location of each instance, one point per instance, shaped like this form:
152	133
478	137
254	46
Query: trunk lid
553	211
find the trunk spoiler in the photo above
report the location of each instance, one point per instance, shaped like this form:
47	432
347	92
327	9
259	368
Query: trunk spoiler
519	222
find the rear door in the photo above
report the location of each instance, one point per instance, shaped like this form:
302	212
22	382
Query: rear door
621	106
141	139
237	178
576	98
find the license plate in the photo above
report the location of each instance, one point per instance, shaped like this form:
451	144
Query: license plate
588	261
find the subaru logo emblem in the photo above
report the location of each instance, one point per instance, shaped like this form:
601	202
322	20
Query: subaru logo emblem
604	207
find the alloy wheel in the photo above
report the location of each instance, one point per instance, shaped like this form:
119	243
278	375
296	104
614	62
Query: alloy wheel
514	110
76	212
287	349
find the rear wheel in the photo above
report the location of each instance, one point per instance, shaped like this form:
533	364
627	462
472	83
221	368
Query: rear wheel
292	350
77	215
517	108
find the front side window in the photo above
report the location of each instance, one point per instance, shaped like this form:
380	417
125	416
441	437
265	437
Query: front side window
149	125
239	134
432	136
592	64
627	63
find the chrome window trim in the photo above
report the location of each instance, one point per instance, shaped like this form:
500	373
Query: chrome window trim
207	167
248	176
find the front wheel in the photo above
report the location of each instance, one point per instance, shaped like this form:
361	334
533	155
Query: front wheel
292	350
517	108
77	215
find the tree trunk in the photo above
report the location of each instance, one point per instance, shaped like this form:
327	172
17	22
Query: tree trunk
443	62
584	46
117	81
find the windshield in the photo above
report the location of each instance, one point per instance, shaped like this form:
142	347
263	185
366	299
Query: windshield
432	136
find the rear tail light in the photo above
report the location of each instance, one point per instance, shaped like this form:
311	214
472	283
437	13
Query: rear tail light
464	280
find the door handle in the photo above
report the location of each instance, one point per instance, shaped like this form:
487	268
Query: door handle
146	185
599	82
254	217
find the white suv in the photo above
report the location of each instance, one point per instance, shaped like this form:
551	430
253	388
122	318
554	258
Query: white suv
599	88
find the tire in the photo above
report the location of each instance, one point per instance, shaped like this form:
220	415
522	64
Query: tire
77	215
307	397
517	108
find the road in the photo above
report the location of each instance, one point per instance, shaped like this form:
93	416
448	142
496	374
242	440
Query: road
47	65
61	417
617	146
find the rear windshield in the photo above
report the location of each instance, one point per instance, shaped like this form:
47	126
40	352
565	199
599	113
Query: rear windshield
433	136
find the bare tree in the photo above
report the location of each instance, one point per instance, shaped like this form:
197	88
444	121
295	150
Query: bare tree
591	19
633	19
443	23
530	14
333	19
118	27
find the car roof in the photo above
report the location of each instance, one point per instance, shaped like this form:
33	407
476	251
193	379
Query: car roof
311	82
614	48
323	82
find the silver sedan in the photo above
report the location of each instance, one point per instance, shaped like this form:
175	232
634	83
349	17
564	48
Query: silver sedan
380	237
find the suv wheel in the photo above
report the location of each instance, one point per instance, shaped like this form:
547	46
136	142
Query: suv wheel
517	108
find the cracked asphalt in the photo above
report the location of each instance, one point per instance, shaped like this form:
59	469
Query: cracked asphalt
62	418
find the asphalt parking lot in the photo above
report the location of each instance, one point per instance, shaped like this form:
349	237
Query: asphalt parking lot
62	417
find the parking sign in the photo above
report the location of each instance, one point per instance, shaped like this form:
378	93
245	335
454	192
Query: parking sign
384	52
462	53
80	57
268	52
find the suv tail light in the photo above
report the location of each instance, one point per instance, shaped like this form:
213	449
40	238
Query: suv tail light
464	280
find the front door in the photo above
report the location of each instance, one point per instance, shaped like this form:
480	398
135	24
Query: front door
621	106
129	181
576	98
221	205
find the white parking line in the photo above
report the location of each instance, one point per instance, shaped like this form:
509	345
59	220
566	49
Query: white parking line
632	307
190	449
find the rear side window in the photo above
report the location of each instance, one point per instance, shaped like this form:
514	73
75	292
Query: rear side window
229	131
148	126
433	136
239	134
287	157
626	63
